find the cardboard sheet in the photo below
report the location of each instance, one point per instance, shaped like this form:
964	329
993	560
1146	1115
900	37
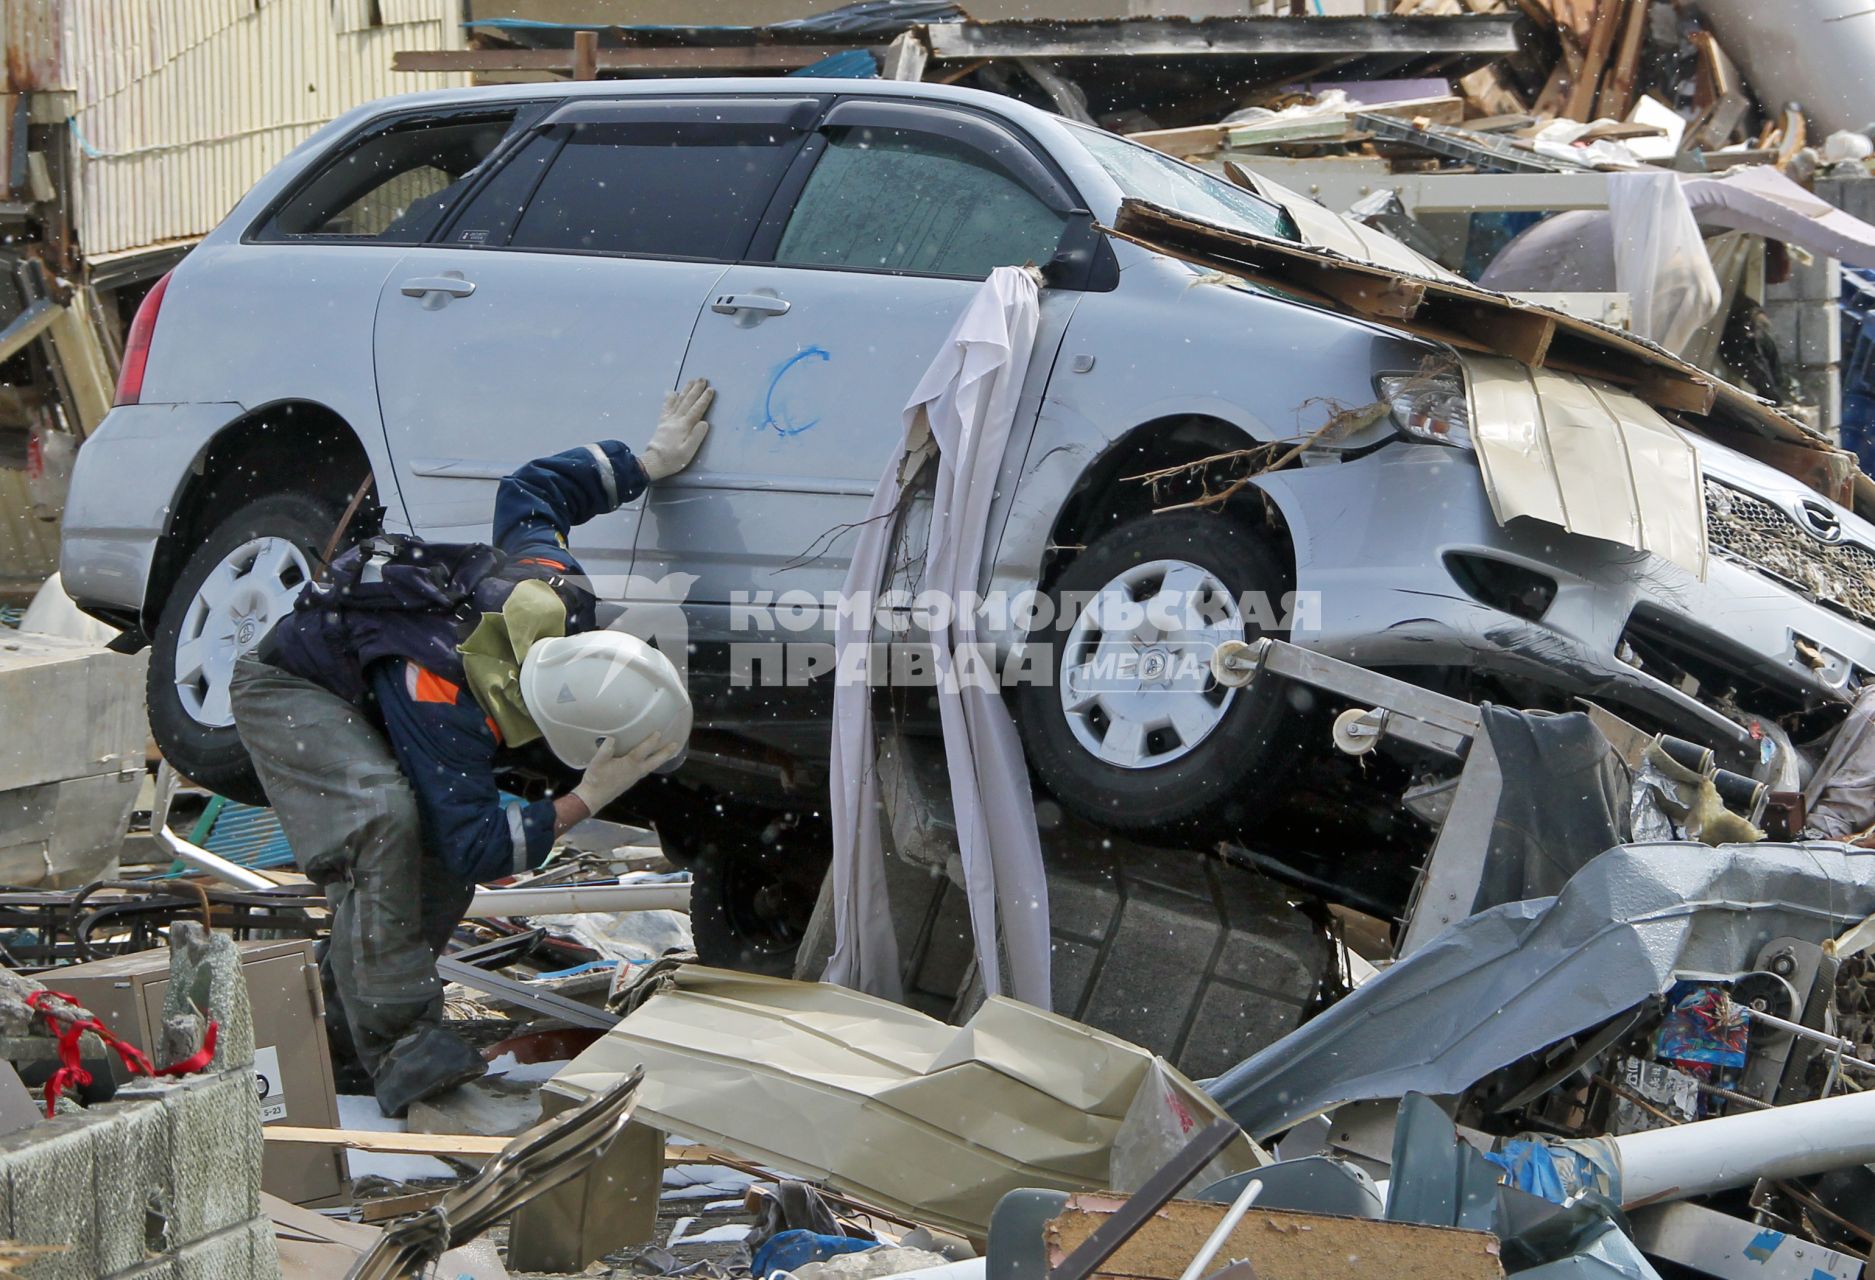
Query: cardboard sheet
1586	456
894	1108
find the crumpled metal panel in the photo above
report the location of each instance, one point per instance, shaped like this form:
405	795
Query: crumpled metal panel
1507	982
1323	228
1587	456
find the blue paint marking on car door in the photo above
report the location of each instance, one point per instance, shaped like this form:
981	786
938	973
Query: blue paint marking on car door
775	415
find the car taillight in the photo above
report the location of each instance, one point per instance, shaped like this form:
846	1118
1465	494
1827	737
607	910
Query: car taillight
137	343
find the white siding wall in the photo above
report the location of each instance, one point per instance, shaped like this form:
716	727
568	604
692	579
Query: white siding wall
181	105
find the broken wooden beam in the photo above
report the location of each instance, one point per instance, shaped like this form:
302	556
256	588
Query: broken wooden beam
1601	43
1179	143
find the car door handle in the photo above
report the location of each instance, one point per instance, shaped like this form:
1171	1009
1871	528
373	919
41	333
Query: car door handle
729	304
454	286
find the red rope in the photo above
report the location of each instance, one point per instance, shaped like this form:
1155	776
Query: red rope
70	1029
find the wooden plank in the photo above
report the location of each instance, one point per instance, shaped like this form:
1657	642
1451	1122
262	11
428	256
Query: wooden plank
772	57
1662	380
1621	130
1617	93
585	55
469	1145
1487	35
1601	42
1179	143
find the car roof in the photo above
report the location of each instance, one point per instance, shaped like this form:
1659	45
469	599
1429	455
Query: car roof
722	86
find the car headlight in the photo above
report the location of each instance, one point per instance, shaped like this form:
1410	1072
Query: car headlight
1429	406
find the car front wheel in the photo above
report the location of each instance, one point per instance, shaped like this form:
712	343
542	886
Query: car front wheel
1123	720
236	585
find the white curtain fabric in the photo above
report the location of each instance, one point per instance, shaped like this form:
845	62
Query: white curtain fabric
1660	258
966	404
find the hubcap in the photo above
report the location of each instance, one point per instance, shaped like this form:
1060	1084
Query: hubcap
236	605
1135	680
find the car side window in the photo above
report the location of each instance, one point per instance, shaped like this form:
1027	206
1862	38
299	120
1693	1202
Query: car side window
679	189
883	199
392	186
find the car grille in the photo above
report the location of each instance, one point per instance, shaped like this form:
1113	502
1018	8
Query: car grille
1840	574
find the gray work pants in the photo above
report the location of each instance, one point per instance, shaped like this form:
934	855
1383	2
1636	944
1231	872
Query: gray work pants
351	817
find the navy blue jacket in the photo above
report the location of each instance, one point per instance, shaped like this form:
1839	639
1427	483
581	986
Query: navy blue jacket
445	742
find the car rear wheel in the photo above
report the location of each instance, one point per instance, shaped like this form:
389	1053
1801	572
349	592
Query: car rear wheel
1129	729
238	583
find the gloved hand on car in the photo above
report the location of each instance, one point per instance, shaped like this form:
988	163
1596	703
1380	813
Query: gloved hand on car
680	432
613	772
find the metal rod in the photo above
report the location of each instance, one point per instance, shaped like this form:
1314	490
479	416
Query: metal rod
1808	1033
1232	1216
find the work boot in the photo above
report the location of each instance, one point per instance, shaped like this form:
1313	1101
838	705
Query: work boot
428	1061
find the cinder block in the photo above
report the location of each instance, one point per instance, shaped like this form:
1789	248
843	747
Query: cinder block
135	1200
1819	335
266	1254
51	1192
226	1255
161	1269
215	1154
204	962
1854	196
1821	385
1817	280
1786	323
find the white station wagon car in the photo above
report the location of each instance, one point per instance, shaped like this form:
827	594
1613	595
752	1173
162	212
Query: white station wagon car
435	288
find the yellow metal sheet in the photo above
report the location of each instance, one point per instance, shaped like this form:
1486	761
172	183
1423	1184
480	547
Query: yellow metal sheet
1582	454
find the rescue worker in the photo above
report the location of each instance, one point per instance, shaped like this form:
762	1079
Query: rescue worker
376	721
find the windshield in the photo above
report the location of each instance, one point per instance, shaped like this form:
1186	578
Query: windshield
1144	174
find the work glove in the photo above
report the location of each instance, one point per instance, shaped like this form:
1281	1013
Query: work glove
681	429
612	773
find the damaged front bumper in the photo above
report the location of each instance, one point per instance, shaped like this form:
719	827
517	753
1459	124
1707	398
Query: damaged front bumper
1404	564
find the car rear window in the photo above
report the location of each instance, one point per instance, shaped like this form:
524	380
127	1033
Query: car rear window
394	185
1144	174
681	190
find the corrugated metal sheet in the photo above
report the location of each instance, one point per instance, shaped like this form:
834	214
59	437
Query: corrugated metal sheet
183	104
31	29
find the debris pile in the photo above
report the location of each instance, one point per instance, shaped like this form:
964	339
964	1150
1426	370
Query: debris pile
1616	1018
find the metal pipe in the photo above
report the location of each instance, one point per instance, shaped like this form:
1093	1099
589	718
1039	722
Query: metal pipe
1232	1216
197	858
1836	1043
550	900
1793	1141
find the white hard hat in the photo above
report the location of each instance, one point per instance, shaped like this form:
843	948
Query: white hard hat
586	688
